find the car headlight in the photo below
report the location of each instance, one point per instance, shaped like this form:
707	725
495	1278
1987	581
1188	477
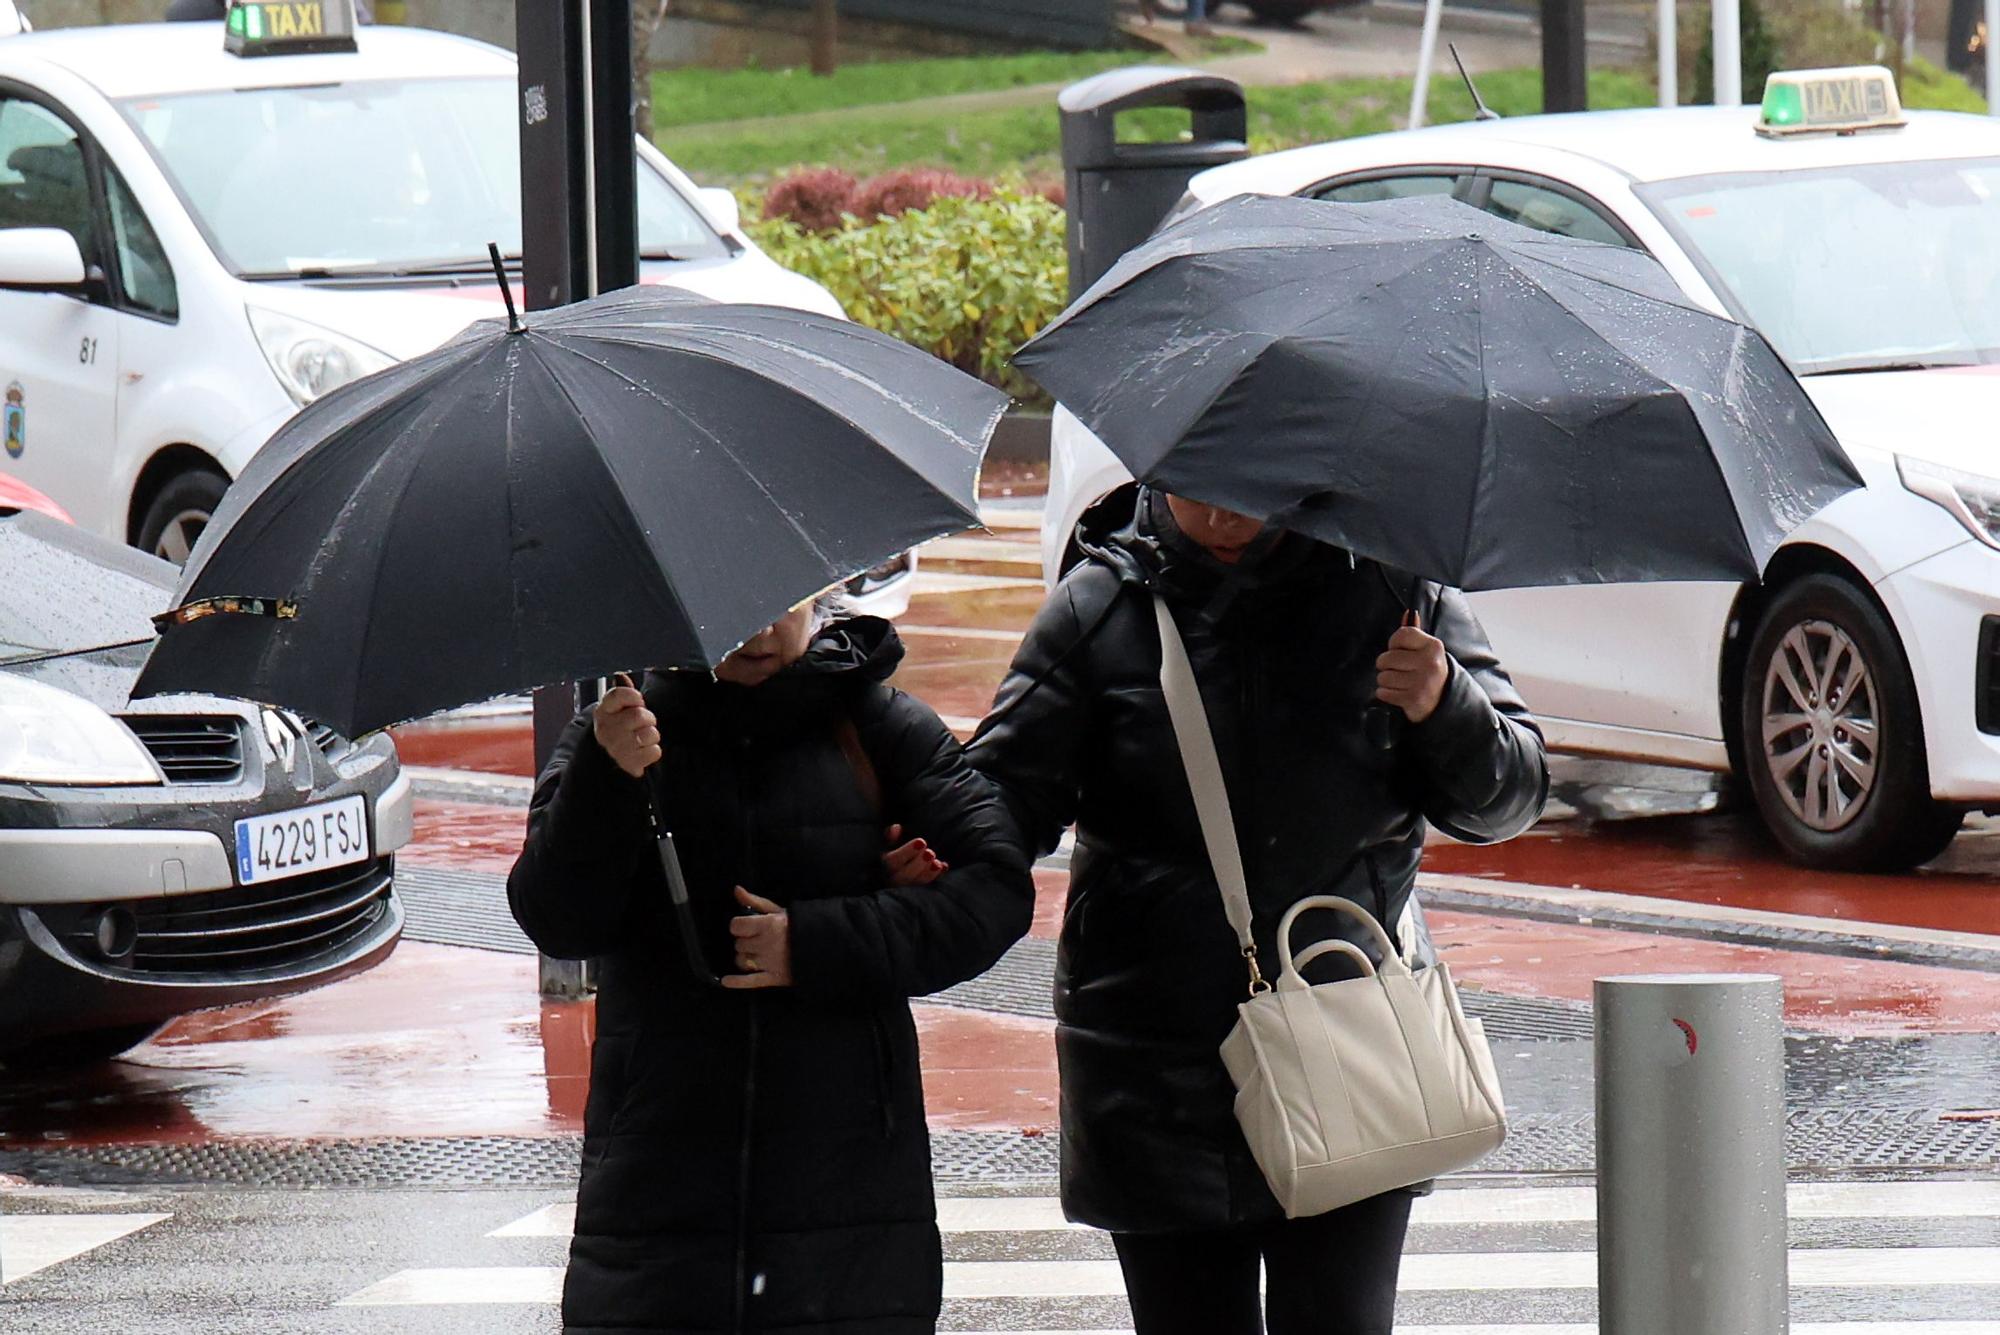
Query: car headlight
49	736
1974	501
308	360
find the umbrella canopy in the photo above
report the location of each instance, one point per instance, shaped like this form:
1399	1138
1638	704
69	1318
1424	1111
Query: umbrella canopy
1445	392
643	479
76	610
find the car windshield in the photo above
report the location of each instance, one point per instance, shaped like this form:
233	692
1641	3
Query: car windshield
1857	268
371	177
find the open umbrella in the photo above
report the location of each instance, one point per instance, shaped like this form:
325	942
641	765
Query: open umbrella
643	479
1444	392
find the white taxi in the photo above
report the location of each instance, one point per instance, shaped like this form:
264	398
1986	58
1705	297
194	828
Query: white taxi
194	244
1857	688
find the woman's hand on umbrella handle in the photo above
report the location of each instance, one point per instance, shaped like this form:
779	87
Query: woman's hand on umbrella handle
911	862
763	944
1413	672
626	729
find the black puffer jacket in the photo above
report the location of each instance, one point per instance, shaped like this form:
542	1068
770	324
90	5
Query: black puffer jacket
1148	974
759	1160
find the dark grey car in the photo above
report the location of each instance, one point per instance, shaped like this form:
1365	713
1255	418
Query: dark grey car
129	892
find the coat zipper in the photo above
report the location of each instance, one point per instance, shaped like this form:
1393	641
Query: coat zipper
745	1144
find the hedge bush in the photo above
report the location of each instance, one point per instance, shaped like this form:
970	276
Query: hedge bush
968	280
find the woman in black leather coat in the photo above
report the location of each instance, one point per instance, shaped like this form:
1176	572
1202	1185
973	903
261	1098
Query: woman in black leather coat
1291	641
755	1155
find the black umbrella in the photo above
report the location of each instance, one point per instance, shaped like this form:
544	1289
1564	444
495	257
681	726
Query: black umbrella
1445	392
643	479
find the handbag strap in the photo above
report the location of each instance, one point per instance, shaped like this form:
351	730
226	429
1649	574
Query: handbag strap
1204	776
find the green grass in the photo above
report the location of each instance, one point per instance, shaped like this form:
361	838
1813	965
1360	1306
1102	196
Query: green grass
701	96
1025	139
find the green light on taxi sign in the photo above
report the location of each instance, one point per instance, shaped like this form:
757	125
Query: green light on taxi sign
1840	101
288	27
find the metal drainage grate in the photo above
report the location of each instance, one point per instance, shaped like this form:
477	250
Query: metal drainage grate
1526	1019
451	907
1022	983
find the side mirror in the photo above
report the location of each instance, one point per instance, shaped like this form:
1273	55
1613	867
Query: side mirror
719	203
40	259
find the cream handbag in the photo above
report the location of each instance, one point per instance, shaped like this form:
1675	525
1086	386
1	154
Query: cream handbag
1344	1090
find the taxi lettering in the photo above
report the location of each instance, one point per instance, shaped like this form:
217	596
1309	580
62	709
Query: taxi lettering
1844	100
305	18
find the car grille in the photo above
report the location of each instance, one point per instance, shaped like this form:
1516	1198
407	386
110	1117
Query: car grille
273	926
1986	679
329	742
192	748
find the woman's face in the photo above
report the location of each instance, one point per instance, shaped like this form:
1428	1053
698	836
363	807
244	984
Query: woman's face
771	650
1226	534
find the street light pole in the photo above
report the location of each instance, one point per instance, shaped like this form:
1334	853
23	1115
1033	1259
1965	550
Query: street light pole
1670	55
1727	46
1420	91
1986	53
579	225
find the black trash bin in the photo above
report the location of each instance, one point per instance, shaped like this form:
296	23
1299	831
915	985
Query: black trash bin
1119	191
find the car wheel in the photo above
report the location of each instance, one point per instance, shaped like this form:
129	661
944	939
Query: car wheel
63	1052
1832	735
178	514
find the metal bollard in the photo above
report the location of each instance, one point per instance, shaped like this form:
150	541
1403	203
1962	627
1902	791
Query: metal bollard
1691	1155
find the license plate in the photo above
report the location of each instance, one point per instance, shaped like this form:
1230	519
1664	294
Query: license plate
290	843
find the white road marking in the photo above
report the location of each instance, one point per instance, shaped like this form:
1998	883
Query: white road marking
540	1285
1798	1328
959	632
1490	1272
551	1221
32	1242
1450	1206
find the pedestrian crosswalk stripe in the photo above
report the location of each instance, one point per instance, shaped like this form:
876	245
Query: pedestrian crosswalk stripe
1423	1272
1797	1328
1464	1205
537	1284
1486	1272
32	1242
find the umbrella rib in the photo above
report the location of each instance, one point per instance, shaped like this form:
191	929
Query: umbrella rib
625	503
1485	417
791	521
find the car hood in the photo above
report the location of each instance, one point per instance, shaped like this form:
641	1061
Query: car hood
408	319
1944	416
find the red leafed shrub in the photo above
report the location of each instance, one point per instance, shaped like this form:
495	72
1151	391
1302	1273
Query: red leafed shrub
814	198
895	193
1051	188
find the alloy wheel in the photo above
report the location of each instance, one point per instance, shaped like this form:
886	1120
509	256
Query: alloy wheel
1821	737
176	541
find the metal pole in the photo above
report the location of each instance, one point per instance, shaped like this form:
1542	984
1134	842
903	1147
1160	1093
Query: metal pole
1691	1155
1670	55
1727	44
1986	54
1565	63
1420	91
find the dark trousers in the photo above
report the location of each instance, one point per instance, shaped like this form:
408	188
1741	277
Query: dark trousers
1334	1274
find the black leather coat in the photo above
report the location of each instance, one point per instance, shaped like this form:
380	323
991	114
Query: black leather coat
759	1160
1149	976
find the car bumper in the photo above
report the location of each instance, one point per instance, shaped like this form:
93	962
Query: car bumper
50	984
90	866
1939	604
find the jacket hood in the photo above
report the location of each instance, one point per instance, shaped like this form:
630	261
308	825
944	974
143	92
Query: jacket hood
846	657
865	646
1134	533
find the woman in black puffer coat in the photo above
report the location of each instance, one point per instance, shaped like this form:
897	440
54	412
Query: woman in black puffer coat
1291	642
756	1158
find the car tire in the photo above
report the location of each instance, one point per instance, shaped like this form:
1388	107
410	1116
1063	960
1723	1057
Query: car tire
179	512
63	1052
1282	13
1839	775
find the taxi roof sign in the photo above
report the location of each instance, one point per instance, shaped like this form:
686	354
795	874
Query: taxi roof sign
288	27
1840	101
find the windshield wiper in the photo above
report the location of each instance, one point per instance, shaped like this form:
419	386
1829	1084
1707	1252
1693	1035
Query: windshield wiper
1912	364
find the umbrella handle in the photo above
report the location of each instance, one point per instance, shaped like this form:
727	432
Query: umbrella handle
1384	723
677	889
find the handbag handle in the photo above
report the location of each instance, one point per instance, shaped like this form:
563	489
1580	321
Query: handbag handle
1288	976
1204	776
